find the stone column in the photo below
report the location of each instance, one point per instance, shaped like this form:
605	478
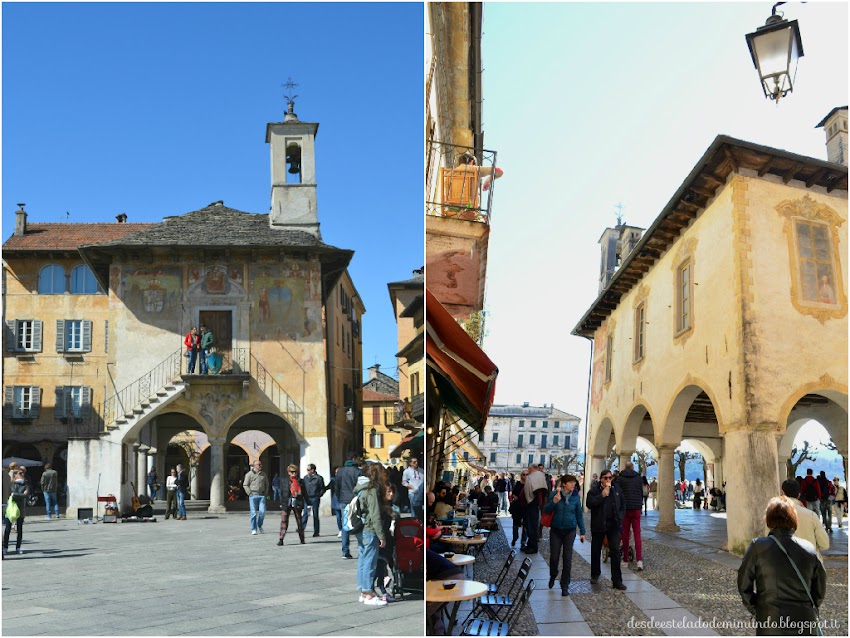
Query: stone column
194	480
597	464
217	475
142	469
316	452
751	481
624	458
666	471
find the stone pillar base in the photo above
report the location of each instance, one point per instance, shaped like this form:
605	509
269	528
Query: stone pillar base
667	527
217	509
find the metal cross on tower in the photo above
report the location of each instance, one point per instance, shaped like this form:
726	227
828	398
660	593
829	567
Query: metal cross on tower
289	85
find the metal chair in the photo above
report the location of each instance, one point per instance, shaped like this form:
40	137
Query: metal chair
493	588
494	605
490	627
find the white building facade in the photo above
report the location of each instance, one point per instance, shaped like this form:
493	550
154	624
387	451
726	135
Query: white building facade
517	435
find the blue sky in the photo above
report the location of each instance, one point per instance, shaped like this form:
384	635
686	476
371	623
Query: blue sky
593	104
159	109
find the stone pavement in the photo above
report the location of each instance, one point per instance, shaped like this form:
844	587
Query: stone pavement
702	533
203	576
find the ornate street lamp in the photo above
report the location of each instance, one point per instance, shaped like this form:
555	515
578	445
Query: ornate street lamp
776	48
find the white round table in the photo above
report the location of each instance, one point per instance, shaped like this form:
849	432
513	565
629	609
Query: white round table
464	590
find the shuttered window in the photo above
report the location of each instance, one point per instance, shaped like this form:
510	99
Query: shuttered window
73	335
72	401
23	335
22	402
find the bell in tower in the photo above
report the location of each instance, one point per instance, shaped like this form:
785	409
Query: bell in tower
293	160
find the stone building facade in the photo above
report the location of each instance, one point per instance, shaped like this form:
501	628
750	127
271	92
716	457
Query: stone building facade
518	435
277	298
726	326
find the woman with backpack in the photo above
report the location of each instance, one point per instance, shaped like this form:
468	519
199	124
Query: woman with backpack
19	491
371	491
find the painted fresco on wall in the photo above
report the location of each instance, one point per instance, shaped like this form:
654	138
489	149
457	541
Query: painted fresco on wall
278	296
152	293
224	280
815	255
598	381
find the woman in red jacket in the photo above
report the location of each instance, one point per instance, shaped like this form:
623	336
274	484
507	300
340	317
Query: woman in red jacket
193	344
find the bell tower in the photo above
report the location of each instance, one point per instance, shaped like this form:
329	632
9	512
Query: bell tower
293	162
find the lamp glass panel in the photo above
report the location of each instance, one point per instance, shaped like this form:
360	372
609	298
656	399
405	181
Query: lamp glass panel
772	51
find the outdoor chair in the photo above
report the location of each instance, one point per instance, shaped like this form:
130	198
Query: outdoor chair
490	627
493	588
494	605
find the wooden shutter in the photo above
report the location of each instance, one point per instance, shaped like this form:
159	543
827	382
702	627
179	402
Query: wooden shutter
60	336
85	406
37	331
9	402
59	405
86	335
35	402
376	415
11	335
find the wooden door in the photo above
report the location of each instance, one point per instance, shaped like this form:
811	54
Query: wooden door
220	323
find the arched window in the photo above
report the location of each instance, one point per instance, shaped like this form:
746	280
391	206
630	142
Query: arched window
51	280
83	281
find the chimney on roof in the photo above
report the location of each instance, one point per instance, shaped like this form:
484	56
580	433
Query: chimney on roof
373	371
417	272
20	221
122	218
525	405
835	127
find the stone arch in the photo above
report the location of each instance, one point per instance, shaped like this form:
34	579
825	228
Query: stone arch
632	426
601	437
825	387
253	408
650	444
674	422
702	448
786	441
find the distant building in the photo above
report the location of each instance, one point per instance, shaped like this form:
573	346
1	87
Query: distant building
518	435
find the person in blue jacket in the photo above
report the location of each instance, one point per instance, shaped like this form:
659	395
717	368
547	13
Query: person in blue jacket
566	505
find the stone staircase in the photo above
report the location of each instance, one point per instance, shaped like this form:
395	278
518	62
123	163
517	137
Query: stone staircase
147	408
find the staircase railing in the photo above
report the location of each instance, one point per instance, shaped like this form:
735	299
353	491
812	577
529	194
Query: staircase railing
285	404
128	399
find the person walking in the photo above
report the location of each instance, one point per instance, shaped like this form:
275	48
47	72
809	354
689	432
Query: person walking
256	486
293	491
607	511
826	488
171	495
653	493
19	491
699	489
207	342
565	505
412	479
500	485
49	486
809	527
346	480
370	491
315	489
810	491
631	485
152	483
276	488
336	510
182	492
535	494
781	579
645	490
193	345
517	510
840	502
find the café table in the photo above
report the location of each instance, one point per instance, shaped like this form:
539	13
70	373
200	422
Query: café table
464	590
462	560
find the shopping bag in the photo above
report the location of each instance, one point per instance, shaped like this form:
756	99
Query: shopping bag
13	512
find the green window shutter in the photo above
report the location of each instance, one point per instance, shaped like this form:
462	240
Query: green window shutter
11	335
85	406
37	331
9	402
86	335
59	405
60	336
35	402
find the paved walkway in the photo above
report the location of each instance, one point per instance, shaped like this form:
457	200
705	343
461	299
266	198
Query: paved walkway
702	532
203	576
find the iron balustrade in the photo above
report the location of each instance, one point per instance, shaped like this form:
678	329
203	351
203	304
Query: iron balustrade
131	398
284	403
455	189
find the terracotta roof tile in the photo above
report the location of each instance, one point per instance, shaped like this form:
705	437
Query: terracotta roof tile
70	236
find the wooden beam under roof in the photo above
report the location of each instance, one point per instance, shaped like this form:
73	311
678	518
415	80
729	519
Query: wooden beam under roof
814	179
789	174
702	191
727	153
766	166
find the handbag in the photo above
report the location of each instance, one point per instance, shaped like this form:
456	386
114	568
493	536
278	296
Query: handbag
13	512
186	354
546	518
802	582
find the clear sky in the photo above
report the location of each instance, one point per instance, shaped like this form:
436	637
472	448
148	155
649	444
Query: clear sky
160	109
593	104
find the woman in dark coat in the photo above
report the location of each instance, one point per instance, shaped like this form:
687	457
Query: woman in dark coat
517	510
768	584
19	491
292	491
